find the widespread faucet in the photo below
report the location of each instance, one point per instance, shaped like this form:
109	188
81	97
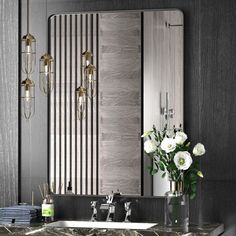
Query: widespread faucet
109	206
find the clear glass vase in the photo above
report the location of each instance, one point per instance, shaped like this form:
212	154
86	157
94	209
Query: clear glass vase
176	206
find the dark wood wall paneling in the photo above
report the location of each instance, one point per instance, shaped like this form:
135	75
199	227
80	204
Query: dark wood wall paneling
209	91
144	209
8	102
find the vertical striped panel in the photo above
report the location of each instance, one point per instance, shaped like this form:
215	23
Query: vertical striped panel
73	143
9	79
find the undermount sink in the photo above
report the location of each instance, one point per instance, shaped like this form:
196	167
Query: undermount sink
100	225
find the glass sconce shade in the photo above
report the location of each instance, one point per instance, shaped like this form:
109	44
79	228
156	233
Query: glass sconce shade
87	57
46	73
81	102
28	53
90	77
27	98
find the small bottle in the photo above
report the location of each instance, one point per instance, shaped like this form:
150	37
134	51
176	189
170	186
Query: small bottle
48	209
69	188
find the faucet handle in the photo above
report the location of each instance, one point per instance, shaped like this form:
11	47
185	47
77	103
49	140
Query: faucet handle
128	211
127	206
110	197
93	204
94	209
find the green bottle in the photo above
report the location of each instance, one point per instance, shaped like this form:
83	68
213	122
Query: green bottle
48	209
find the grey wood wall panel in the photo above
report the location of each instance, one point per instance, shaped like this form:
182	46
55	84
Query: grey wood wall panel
9	102
163	70
119	102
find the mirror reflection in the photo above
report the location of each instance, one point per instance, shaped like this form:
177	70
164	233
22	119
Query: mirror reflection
116	74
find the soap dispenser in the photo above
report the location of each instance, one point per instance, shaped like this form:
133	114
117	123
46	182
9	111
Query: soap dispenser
69	188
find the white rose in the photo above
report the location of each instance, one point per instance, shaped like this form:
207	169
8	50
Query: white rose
199	149
168	145
149	146
183	160
180	137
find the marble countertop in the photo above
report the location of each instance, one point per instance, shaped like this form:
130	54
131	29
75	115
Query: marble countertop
193	230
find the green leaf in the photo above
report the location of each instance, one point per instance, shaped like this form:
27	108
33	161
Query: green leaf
161	165
193	177
162	152
147	134
150	168
194	182
154	171
194	187
163	175
187	144
200	174
192	196
156	164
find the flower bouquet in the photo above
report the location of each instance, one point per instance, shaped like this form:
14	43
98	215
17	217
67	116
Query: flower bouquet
171	154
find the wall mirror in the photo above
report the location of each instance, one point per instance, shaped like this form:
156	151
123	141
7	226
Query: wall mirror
95	137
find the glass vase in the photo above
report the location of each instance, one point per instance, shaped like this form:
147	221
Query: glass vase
176	206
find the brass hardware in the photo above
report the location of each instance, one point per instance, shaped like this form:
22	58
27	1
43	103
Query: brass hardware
88	56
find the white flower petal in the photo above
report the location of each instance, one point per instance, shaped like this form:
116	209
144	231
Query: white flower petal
199	149
183	160
149	146
180	137
168	145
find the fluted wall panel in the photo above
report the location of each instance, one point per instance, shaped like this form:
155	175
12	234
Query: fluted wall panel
73	145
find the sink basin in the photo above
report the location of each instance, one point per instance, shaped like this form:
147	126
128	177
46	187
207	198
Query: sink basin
100	225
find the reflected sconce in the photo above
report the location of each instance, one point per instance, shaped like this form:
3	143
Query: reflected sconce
28	53
90	80
46	72
28	98
166	111
89	73
81	102
87	57
88	85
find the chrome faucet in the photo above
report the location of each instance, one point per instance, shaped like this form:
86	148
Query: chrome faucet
109	206
94	210
128	211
